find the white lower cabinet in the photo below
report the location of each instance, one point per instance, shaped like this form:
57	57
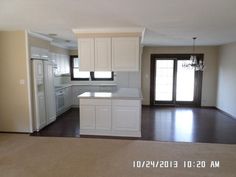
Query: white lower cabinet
68	97
110	117
103	117
41	112
63	100
125	118
88	112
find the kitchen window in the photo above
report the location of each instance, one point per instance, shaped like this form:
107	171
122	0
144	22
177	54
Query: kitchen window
76	74
102	76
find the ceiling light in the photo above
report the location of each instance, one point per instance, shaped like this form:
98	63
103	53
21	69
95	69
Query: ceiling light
52	35
195	63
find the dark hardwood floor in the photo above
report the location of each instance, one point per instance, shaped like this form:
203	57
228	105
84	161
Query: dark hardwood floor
161	124
66	125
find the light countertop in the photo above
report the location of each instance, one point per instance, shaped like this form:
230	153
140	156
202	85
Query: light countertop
122	93
62	86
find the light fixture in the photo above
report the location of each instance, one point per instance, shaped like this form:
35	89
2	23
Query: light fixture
195	63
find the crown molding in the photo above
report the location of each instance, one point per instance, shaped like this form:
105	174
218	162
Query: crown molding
59	45
108	30
37	35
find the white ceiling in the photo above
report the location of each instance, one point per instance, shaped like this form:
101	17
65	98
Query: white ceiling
167	22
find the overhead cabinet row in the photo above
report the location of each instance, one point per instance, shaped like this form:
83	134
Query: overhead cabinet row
109	54
60	61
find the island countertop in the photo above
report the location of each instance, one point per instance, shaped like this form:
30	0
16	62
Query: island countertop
122	93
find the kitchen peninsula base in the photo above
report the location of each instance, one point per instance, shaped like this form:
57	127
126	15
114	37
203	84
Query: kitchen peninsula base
111	114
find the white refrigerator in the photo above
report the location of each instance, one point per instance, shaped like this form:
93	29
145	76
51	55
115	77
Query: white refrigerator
43	93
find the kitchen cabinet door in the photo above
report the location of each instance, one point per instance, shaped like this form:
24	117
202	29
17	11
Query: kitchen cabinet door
62	63
35	52
125	54
38	72
68	97
102	54
58	62
44	54
67	64
49	92
86	54
87	117
126	115
41	120
103	117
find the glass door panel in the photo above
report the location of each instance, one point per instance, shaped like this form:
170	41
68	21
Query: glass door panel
164	80
185	82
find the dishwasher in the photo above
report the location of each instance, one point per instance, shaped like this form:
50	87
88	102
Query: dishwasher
60	100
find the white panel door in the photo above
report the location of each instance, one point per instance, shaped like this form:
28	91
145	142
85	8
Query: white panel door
67	64
103	117
41	121
38	66
53	59
102	54
49	92
86	54
62	63
87	117
125	118
58	62
125	54
68	97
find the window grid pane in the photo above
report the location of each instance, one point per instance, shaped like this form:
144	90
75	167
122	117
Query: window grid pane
76	62
185	82
103	74
164	80
81	74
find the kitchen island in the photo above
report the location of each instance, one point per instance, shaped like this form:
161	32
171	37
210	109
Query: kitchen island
111	113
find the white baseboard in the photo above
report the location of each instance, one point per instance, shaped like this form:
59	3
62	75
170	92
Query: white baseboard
111	133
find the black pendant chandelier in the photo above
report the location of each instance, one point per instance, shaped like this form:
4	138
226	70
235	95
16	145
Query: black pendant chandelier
195	63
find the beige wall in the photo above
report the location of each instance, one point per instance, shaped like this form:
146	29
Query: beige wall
226	95
36	42
14	101
209	74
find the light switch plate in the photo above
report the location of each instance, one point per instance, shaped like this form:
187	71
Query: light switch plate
22	82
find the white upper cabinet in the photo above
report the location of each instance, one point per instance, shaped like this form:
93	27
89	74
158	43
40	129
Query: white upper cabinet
125	54
61	62
109	49
35	52
102	54
39	53
44	53
86	54
67	64
109	54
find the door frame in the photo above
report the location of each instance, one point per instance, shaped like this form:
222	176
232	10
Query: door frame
198	80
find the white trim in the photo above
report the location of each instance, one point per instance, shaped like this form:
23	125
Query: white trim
37	35
111	133
142	37
109	30
28	83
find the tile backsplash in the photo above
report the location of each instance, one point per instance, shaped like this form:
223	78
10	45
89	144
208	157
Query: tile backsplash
121	80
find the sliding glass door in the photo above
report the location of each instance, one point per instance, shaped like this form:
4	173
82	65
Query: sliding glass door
172	83
164	80
185	82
